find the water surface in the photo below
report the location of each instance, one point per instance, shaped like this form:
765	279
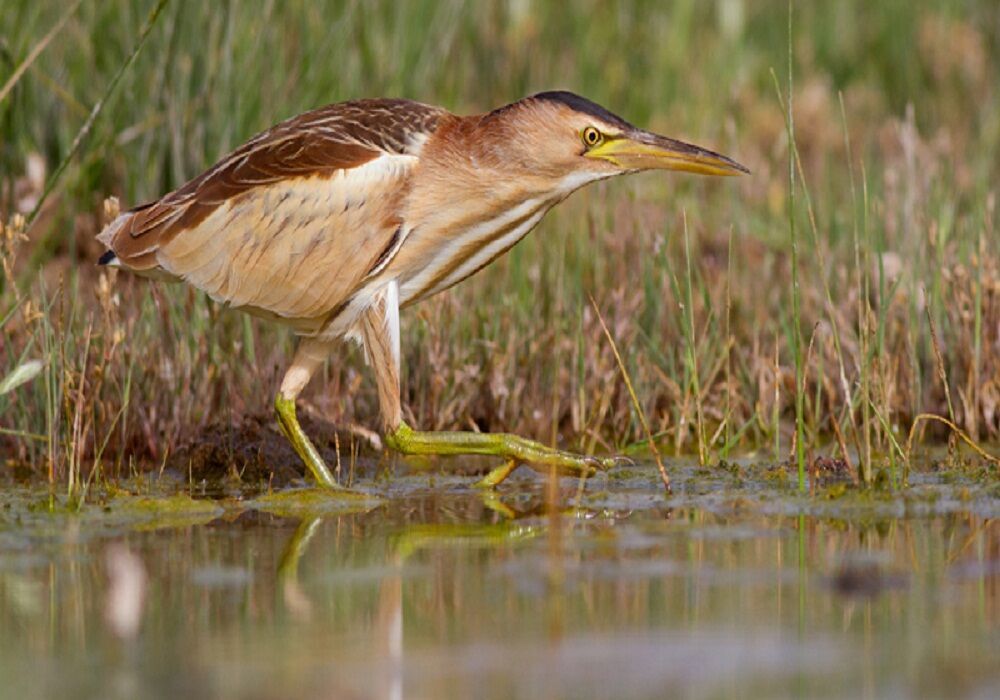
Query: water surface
733	586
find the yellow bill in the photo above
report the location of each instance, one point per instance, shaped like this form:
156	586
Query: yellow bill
647	151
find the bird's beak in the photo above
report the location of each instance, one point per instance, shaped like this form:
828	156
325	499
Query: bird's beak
643	150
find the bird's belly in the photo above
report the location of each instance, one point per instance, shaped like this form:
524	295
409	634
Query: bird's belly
442	261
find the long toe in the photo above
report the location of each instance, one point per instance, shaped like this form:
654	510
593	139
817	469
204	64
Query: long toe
617	461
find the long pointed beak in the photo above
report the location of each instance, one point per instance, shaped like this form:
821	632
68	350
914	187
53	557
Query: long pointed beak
643	150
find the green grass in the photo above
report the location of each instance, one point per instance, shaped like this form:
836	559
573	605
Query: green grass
896	124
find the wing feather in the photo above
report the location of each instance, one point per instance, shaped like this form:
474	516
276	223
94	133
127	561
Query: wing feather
291	221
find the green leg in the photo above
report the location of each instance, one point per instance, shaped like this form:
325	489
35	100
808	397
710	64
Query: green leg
517	450
303	446
497	475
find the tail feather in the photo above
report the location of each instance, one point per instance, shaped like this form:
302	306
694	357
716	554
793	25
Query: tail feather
109	234
144	265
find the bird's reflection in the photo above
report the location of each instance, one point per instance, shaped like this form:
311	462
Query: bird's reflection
414	538
288	567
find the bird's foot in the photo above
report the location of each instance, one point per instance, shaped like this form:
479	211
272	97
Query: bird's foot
497	475
303	446
515	449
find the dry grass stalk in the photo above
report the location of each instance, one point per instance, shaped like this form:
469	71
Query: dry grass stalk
664	477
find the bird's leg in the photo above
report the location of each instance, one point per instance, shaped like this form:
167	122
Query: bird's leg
516	449
379	328
308	357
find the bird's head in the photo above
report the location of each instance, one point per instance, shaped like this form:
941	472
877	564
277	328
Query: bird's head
568	138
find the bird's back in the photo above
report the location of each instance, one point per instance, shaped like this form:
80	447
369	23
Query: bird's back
291	223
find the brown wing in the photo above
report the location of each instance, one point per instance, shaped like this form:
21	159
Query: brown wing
292	220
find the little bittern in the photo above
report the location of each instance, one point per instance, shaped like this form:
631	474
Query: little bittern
334	220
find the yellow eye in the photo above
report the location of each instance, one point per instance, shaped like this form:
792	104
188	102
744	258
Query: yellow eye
592	137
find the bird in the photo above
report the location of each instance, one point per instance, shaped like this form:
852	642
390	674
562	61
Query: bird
335	220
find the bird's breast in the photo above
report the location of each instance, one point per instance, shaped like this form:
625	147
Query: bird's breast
436	257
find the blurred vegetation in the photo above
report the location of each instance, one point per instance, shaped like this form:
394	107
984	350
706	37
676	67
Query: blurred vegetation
899	222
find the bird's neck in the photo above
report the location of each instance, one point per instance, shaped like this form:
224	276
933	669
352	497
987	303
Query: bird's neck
466	177
462	212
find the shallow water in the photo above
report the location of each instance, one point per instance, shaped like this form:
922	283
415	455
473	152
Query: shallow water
734	586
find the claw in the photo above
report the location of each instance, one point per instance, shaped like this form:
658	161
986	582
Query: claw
605	463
